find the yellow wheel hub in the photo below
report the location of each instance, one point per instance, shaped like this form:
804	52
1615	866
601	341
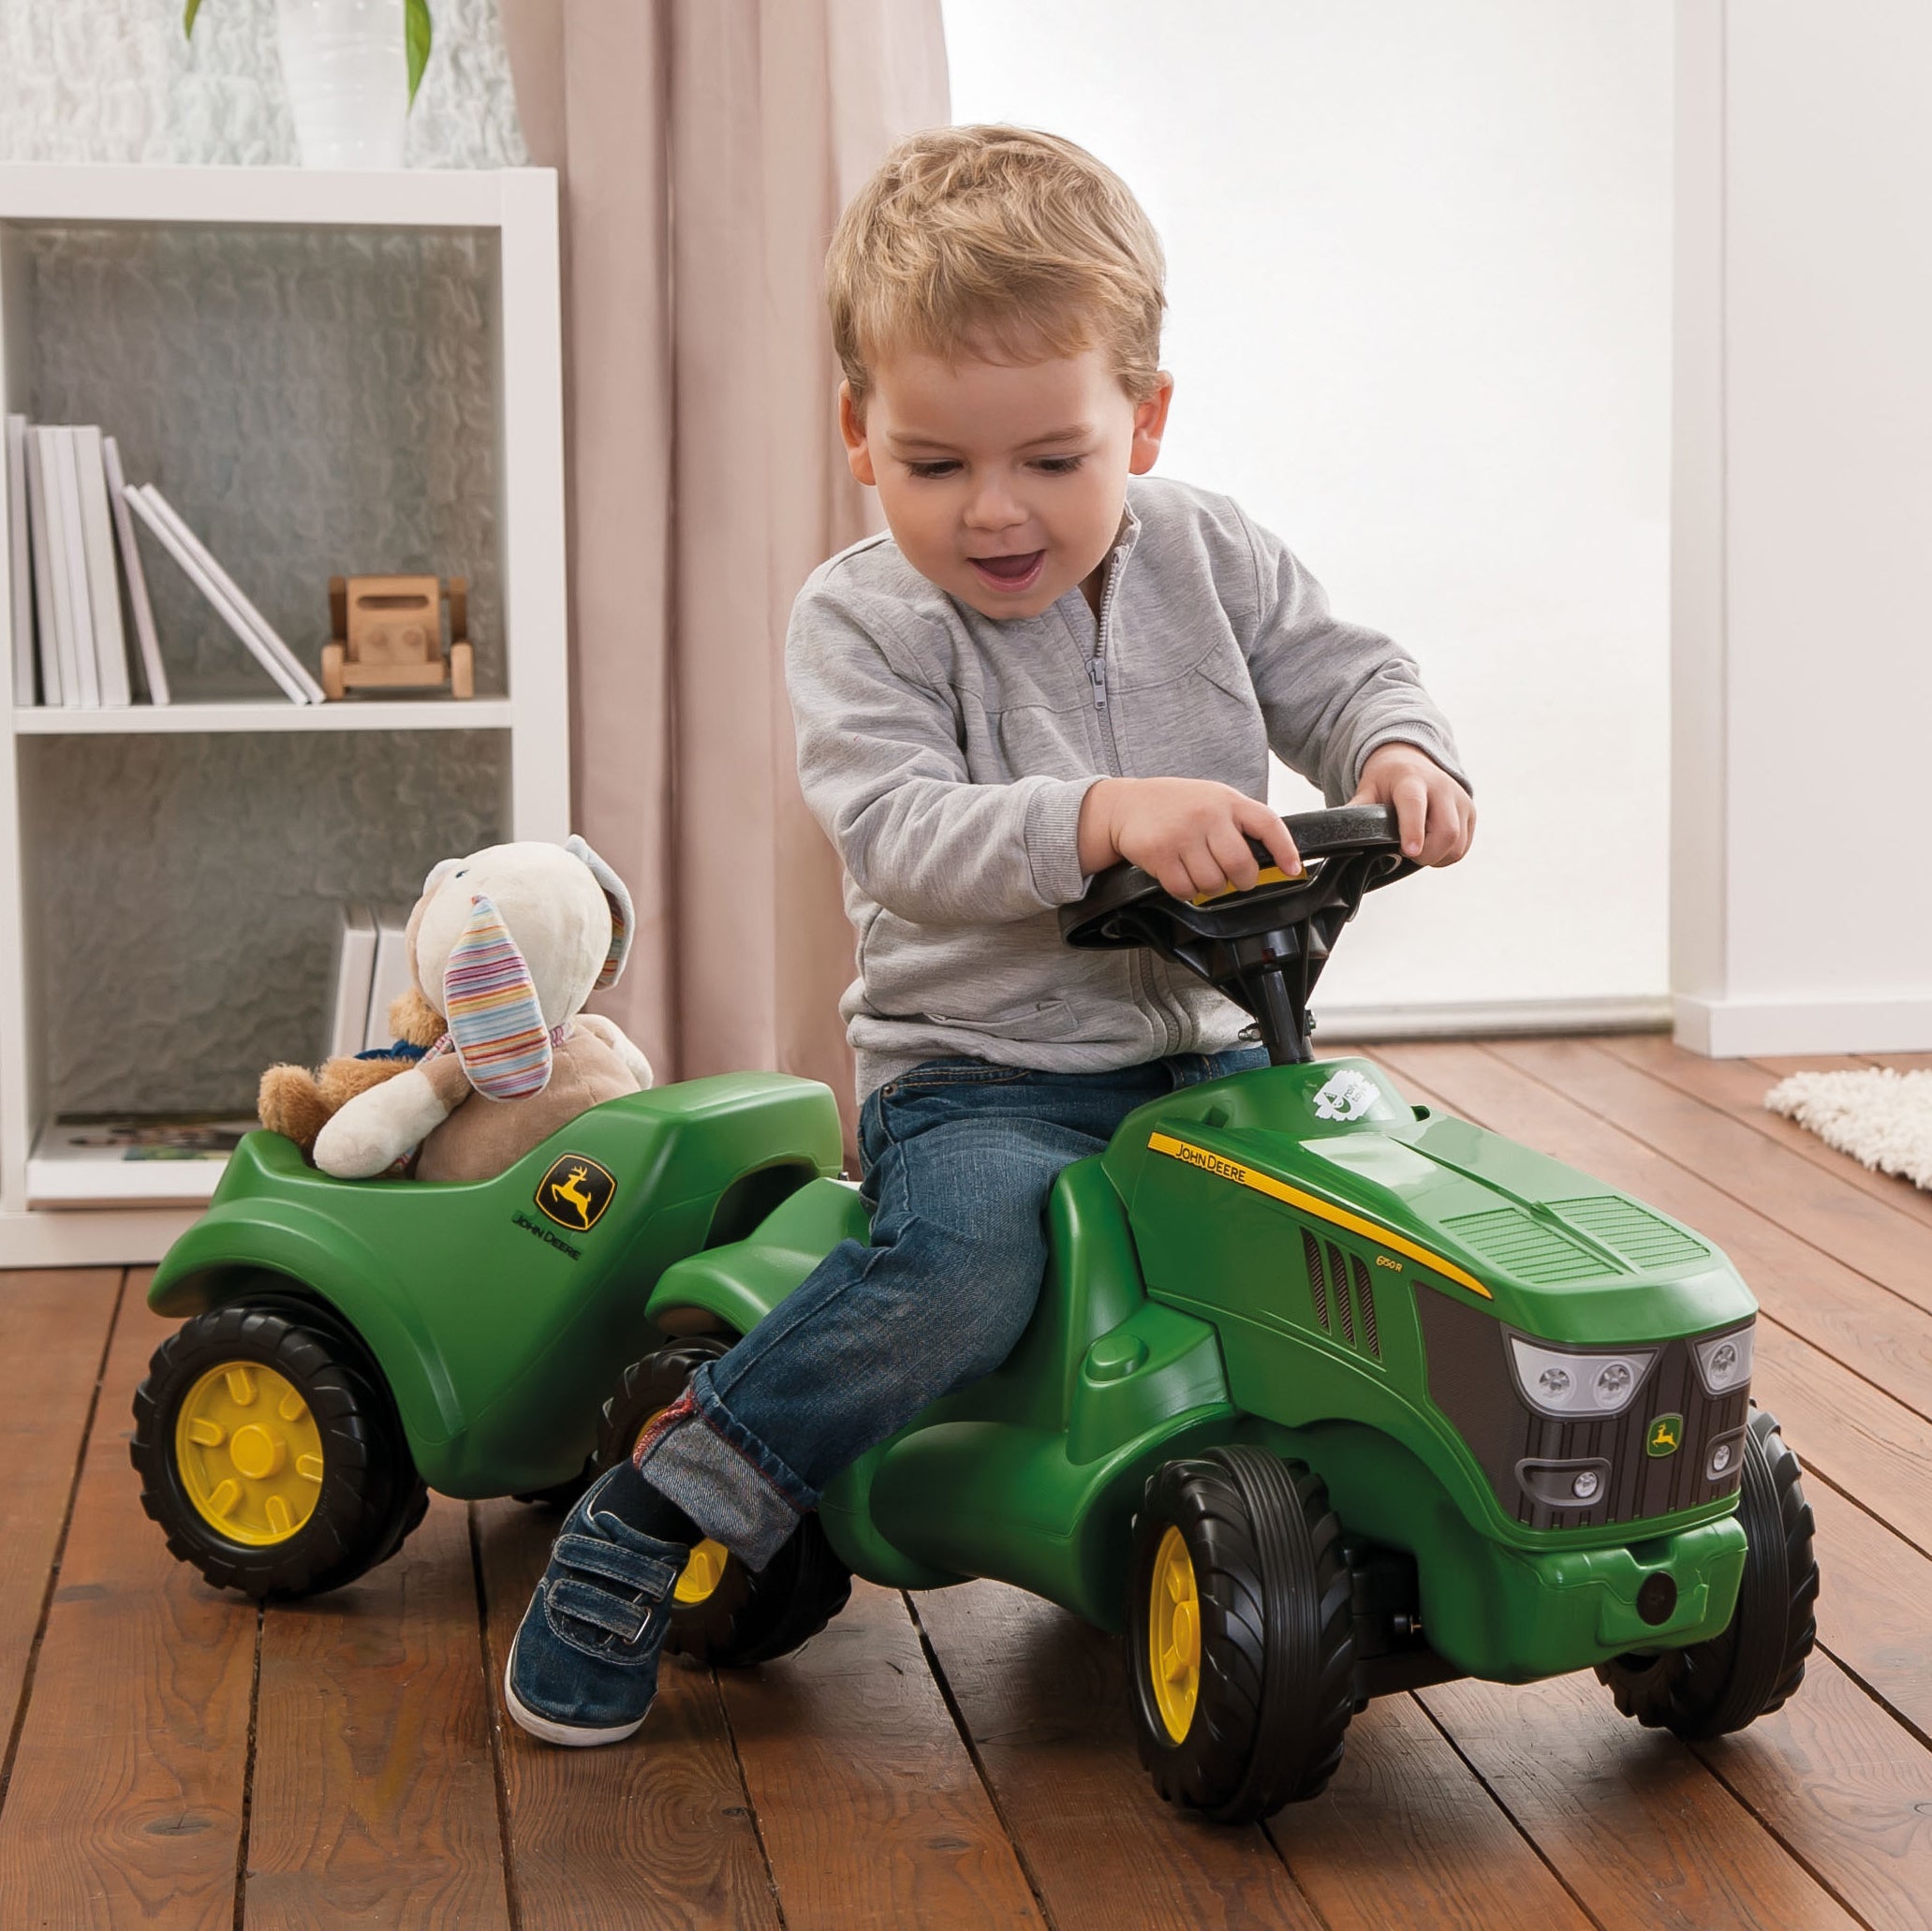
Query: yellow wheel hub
705	1571
1173	1635
249	1453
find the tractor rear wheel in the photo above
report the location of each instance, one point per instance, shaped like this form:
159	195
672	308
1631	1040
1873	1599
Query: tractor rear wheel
723	1613
1241	1640
270	1453
1757	1658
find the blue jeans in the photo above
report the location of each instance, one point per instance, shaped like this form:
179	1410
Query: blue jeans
959	1159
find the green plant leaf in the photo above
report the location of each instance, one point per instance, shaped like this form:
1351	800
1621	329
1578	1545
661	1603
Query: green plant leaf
187	17
416	37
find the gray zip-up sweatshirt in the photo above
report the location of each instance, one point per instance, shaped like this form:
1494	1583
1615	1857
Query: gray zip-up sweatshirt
946	755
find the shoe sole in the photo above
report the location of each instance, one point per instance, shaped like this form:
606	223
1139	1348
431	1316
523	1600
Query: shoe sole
572	1735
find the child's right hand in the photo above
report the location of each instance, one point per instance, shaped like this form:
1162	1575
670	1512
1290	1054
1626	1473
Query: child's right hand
1191	834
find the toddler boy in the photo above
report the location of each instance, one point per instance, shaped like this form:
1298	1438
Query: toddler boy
1041	671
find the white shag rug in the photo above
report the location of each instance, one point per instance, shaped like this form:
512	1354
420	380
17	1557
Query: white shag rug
1882	1118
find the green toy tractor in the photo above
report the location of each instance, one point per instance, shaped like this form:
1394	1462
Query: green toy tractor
1323	1397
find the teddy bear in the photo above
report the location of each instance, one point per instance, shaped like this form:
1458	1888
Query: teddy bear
298	1103
504	947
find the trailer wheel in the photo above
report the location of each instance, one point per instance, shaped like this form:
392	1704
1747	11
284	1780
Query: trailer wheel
723	1613
271	1455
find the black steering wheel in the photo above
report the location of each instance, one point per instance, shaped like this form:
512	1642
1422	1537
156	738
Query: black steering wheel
1263	948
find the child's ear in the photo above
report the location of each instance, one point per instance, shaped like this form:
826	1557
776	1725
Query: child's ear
1150	425
851	426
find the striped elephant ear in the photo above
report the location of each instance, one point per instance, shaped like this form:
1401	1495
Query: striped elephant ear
490	999
619	898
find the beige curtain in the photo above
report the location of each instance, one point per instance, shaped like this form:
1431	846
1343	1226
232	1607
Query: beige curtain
706	148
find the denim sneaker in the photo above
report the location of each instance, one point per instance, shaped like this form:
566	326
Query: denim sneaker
583	1666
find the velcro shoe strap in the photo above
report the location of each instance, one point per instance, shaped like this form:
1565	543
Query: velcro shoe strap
586	1603
630	1567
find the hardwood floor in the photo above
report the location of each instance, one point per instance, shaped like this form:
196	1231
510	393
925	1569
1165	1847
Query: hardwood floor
963	1757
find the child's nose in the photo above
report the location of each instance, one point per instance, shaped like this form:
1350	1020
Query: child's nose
994	507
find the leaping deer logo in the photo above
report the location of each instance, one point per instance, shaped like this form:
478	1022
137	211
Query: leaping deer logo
572	1190
575	1192
1663	1438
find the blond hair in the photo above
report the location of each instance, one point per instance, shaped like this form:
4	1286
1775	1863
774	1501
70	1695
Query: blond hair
1000	239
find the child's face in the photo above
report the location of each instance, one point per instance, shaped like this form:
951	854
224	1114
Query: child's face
1003	482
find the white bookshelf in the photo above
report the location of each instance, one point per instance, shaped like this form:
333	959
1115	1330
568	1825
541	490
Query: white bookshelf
66	237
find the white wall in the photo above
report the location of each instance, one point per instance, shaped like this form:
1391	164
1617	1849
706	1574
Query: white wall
1804	600
1419	275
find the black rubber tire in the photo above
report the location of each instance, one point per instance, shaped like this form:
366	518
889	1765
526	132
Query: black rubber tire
371	1497
752	1615
1277	1634
1758	1660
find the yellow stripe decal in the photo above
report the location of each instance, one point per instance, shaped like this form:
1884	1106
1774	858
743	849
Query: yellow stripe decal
1280	1189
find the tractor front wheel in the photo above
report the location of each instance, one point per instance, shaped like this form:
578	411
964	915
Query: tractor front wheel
1241	1644
723	1613
1757	1658
271	1455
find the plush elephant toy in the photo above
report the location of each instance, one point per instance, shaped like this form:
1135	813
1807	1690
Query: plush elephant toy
505	945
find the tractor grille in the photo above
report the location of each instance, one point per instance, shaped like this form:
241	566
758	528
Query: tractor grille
1469	1380
1628	1230
1524	1248
1340	1292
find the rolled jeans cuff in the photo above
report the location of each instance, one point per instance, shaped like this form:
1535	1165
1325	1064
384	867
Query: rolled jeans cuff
722	1476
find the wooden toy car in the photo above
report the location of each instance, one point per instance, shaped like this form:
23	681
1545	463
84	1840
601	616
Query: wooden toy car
386	634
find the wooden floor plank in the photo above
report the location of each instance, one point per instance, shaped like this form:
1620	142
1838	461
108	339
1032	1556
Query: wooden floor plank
1871	1332
1042	1697
126	1800
1406	1836
873	1814
1647	1839
1818	1206
1872	1612
56	1321
1847	1789
1903	1062
375	1793
1739	1086
1868	1443
654	1832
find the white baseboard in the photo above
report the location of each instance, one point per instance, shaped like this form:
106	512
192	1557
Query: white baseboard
1489	1018
1744	1029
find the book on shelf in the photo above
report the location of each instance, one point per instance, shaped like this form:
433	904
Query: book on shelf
189	1136
45	632
19	568
198	564
97	554
144	610
81	691
355	973
390	980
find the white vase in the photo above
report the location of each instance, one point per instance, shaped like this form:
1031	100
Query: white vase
343	64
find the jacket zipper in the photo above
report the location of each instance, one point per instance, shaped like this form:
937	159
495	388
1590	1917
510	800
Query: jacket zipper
1139	967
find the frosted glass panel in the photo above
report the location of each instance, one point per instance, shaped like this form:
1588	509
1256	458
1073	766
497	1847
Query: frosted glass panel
313	404
182	893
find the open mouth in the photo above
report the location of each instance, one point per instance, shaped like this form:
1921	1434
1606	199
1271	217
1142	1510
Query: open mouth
1009	574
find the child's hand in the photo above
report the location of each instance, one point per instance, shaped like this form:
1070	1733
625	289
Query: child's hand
1191	834
1437	816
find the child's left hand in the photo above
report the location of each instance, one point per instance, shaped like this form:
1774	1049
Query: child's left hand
1437	816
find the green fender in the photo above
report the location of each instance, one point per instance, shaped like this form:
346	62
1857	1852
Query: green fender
736	1285
222	1256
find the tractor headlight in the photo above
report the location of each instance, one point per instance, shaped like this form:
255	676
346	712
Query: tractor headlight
1567	1385
1724	1362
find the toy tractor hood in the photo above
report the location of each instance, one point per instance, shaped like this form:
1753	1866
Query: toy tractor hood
1332	1146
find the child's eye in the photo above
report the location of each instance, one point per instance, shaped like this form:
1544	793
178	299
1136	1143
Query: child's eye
932	470
1059	465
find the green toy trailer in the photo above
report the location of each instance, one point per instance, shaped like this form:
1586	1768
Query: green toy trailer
1323	1399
